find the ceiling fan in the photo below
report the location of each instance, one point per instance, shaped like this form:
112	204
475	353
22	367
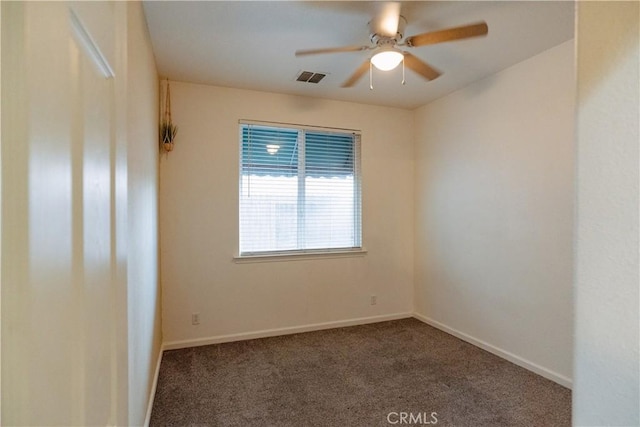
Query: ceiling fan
387	32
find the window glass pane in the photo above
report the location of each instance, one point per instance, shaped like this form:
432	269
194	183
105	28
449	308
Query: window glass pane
269	151
329	212
328	154
268	213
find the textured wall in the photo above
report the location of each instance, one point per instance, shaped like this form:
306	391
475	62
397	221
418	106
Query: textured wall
607	385
142	174
494	212
63	293
80	315
199	220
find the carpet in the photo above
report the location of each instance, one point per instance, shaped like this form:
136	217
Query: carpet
400	372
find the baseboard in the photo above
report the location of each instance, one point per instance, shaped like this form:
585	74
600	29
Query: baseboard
544	372
154	385
173	345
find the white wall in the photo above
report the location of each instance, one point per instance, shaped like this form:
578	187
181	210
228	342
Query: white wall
494	207
142	167
199	221
607	363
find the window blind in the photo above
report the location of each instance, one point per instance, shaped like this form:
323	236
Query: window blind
299	190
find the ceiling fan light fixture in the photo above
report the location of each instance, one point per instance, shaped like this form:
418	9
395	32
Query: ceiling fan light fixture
387	59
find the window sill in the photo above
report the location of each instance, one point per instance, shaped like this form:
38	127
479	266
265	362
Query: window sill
298	256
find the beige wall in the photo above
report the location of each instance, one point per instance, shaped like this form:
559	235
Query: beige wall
199	221
607	385
494	208
61	289
145	335
80	325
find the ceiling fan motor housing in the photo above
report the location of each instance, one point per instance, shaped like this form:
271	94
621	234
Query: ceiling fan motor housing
382	39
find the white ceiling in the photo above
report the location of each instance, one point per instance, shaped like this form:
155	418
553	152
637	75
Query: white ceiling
251	45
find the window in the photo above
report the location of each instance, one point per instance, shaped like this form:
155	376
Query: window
299	190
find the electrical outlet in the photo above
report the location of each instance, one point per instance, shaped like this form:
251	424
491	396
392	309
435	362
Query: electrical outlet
374	299
195	318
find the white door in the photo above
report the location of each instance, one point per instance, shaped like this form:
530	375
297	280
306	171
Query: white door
62	307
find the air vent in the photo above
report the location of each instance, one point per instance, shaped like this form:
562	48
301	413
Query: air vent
316	78
310	77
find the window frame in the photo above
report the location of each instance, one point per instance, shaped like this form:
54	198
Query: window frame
294	254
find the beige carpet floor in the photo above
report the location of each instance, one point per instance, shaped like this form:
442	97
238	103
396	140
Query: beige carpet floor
372	375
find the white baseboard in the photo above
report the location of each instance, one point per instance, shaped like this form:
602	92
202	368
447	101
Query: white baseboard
544	372
173	345
154	385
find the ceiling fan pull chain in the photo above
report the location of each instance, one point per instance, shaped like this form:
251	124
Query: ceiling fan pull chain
403	82
370	76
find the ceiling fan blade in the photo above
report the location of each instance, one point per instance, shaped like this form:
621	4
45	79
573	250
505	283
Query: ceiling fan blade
457	33
420	67
385	22
331	50
362	69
